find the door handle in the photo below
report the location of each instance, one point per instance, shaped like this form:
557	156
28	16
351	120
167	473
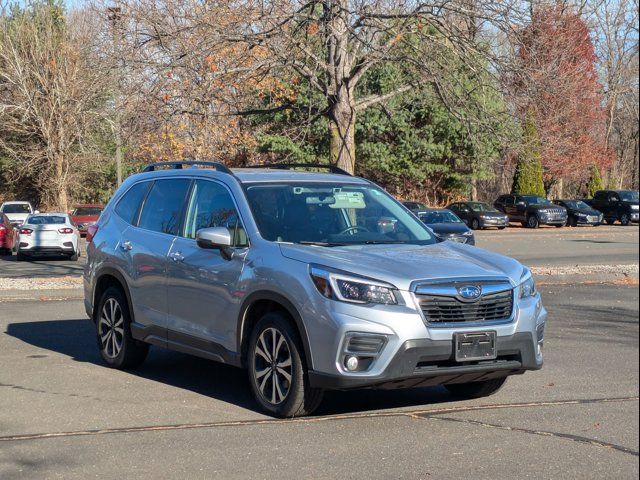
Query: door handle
126	246
176	256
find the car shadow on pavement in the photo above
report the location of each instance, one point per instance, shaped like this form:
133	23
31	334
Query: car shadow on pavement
76	339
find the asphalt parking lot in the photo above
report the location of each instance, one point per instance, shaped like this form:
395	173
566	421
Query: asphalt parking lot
607	245
64	415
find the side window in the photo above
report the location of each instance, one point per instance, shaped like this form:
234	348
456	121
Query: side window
128	206
162	211
600	196
211	205
614	197
509	200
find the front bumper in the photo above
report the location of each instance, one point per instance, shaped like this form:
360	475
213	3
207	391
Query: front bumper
494	222
426	362
552	220
588	220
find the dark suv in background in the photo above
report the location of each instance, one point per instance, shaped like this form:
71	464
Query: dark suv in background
531	210
616	205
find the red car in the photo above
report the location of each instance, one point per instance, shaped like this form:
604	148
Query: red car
85	215
7	235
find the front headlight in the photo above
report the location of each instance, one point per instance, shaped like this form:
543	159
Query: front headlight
527	285
635	207
346	288
468	233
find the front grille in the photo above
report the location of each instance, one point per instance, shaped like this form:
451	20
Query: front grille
556	213
444	309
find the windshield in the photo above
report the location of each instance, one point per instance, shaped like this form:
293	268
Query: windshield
87	211
16	208
577	204
332	214
46	220
415	205
532	200
629	196
443	216
481	207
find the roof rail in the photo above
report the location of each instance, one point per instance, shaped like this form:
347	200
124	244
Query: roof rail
291	166
220	167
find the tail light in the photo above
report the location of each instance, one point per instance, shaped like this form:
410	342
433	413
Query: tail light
3	229
65	230
91	232
26	231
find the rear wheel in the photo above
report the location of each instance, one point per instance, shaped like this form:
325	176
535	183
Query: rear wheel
476	389
277	369
610	222
113	332
533	222
475	224
21	257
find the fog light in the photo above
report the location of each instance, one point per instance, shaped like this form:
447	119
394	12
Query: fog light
351	362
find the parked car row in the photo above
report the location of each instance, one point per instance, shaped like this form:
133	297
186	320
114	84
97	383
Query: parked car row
529	210
30	233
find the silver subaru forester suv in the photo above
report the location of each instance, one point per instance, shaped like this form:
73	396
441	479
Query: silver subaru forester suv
310	281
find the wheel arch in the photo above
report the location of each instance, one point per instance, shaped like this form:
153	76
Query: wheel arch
110	277
265	301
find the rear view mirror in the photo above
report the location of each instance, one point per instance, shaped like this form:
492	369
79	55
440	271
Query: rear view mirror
215	238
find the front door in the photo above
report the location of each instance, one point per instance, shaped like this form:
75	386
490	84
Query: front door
206	289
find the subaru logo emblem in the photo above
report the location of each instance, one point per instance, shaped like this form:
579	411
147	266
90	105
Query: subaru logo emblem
470	292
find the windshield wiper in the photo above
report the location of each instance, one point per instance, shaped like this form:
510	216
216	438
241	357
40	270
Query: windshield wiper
322	244
383	242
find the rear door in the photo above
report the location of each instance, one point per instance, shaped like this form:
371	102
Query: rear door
203	287
146	244
510	207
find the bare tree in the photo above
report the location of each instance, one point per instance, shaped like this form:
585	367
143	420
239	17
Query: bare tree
49	92
330	44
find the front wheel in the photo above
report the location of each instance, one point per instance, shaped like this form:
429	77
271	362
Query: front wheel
625	220
113	332
475	224
277	369
533	222
476	389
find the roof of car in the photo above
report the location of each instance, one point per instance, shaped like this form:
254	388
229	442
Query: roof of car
429	210
260	175
88	205
49	214
17	202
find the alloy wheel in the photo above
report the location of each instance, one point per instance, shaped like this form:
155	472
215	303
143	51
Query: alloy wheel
272	366
111	328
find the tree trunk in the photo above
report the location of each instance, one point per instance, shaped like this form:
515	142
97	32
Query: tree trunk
342	125
474	189
60	183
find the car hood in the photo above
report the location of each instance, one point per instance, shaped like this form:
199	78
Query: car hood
85	218
14	217
545	207
585	211
401	265
448	228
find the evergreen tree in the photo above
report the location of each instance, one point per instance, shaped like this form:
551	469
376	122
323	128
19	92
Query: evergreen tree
595	182
528	177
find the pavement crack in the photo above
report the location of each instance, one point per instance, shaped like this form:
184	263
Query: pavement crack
37	390
542	433
415	414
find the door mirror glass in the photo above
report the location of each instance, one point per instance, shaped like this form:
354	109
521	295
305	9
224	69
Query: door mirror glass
214	238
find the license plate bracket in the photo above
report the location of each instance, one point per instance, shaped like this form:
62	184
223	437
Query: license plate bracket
475	346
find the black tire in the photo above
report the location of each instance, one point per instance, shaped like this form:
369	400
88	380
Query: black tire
501	228
625	220
475	224
4	252
476	389
74	257
300	398
132	352
609	221
532	221
21	257
559	226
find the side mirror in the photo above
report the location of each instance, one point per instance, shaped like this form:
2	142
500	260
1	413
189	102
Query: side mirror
215	238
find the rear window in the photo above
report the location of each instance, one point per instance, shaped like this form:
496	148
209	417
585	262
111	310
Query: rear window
87	211
163	208
47	220
128	206
16	208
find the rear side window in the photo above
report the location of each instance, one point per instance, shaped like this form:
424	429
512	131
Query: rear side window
129	204
162	210
211	205
600	196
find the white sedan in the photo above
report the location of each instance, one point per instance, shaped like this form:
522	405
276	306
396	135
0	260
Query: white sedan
48	234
